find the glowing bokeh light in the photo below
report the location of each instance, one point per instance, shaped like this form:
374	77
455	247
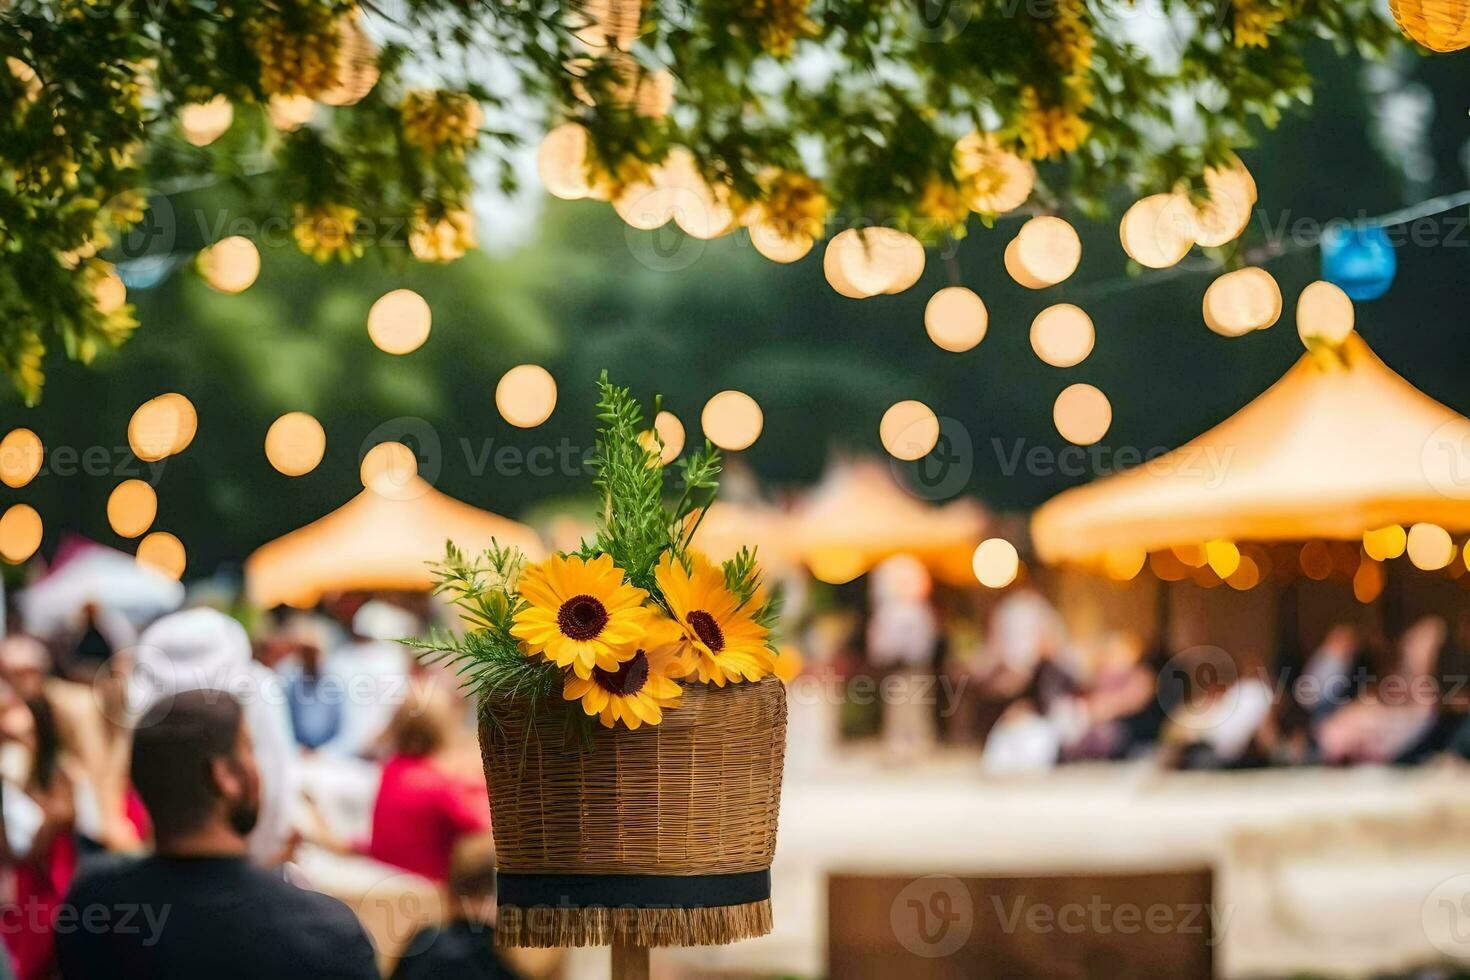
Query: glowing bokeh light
399	322
526	395
732	420
20	533
1082	414
162	426
1062	335
956	319
909	430
996	563
295	443
163	552
21	455
131	508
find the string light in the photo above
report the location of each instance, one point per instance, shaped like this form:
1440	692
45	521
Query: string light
1044	252
1082	414
204	122
387	468
288	112
163	552
109	292
295	443
996	563
1242	301
20	533
230	265
769	242
1230	197
21	455
1323	313
1385	542
876	260
399	321
526	395
909	430
131	508
836	566
1368	582
561	162
956	319
732	420
1062	335
670	433
1222	556
162	426
1316	560
1247	575
1158	230
1123	565
1430	547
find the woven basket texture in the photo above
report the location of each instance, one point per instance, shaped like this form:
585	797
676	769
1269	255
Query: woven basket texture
698	794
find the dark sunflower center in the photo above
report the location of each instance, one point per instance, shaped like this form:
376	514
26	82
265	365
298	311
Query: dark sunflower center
707	629
581	617
628	679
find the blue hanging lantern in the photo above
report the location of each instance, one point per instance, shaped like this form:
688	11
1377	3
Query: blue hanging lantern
1360	259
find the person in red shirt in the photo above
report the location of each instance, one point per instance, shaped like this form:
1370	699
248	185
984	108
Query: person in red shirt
431	794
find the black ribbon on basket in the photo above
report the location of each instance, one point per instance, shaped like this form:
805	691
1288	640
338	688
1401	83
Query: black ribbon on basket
633	891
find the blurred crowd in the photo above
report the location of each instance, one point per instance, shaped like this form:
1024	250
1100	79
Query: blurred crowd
181	766
1012	679
175	762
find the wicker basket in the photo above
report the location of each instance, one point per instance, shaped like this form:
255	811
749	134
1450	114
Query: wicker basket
657	837
1439	25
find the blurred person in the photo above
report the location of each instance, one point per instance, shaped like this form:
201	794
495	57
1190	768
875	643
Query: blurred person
203	649
1227	722
1119	705
314	697
198	907
464	945
1025	633
39	815
902	640
98	635
1398	719
425	803
24	664
372	667
1021	741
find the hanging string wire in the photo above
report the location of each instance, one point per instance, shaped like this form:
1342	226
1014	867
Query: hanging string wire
1262	254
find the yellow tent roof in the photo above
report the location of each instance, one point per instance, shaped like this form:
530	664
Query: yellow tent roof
376	541
858	515
1338	446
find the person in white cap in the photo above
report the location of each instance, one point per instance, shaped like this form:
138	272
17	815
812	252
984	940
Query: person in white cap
205	650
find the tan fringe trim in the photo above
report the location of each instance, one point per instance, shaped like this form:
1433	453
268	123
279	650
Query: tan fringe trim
544	926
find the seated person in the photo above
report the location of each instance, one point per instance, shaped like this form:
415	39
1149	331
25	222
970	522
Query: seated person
465	945
427	799
198	907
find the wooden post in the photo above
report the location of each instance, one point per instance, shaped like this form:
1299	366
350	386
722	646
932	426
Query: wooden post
629	962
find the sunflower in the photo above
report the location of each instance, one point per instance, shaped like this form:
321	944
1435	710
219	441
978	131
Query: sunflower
639	689
721	640
582	614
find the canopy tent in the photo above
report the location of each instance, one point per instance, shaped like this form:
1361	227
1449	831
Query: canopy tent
376	541
1338	446
859	514
725	528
